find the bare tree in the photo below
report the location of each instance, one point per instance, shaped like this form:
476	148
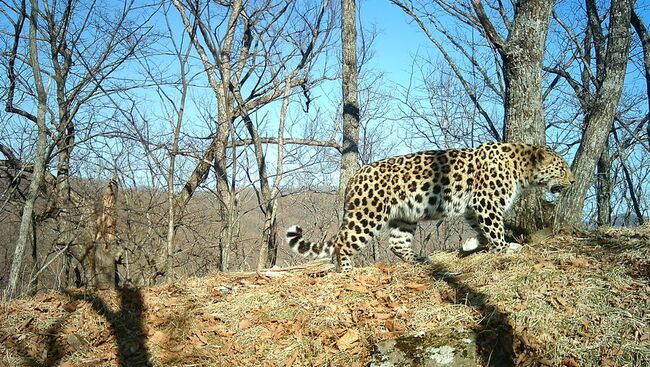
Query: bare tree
350	143
39	119
520	54
80	58
611	58
251	53
268	247
642	31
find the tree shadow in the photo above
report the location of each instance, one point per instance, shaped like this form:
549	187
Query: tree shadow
28	357
127	325
54	352
494	335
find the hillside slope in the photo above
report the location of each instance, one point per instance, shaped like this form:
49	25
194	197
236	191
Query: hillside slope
573	300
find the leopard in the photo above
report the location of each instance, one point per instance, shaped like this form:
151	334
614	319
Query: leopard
479	184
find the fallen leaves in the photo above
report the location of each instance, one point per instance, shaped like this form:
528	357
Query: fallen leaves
393	325
357	288
349	340
418	287
244	324
159	338
299	320
71	306
570	362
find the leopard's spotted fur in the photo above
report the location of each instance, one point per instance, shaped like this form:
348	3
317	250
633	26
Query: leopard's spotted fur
396	193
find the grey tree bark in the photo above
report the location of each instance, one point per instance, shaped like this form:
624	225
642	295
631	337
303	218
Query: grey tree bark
39	157
611	60
105	251
604	189
522	53
350	143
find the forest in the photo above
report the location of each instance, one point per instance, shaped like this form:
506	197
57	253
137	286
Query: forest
216	124
147	144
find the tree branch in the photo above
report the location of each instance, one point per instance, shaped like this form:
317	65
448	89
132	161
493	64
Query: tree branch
488	27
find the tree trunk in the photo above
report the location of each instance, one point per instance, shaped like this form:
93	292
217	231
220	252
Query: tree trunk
644	36
350	144
171	195
104	272
522	62
522	54
215	154
628	181
633	196
600	117
604	189
33	284
524	107
39	158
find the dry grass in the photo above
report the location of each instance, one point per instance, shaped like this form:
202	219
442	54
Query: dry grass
575	300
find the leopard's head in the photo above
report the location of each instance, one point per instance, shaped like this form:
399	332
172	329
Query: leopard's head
551	171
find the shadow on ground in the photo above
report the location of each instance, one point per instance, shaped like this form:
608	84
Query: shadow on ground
494	335
126	325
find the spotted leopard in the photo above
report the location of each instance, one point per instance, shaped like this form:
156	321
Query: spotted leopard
479	184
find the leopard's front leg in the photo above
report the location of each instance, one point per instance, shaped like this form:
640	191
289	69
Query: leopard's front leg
491	227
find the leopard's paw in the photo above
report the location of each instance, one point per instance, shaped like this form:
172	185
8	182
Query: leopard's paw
470	244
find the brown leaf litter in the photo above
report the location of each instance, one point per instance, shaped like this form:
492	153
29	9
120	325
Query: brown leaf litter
569	301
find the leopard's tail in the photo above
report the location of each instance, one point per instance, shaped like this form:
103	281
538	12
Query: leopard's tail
314	250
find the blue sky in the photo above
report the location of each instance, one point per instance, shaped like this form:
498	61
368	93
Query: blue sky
398	38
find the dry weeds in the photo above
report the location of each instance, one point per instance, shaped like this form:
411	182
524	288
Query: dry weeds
574	300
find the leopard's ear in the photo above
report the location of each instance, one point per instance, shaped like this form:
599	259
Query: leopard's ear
539	154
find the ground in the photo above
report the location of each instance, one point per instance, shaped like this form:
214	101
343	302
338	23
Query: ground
572	299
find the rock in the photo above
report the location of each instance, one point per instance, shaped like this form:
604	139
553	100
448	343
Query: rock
431	349
75	341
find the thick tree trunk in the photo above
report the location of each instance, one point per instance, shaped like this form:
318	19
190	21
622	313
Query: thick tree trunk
350	144
522	54
522	61
600	117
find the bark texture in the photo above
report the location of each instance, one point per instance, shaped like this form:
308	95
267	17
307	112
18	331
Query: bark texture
603	190
522	53
105	251
350	143
611	64
39	158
